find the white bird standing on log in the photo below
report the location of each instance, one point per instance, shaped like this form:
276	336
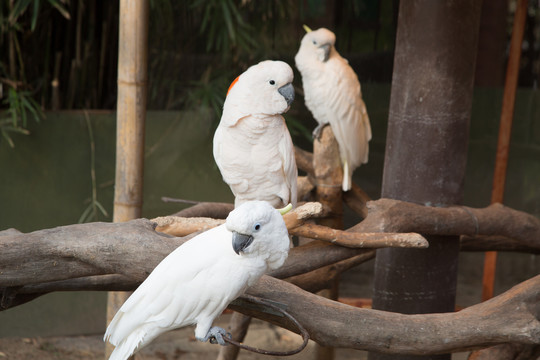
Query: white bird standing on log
196	282
333	95
252	145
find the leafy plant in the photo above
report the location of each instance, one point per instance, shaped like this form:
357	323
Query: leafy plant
19	102
20	105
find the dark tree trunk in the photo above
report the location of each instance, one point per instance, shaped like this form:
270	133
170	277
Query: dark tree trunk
427	148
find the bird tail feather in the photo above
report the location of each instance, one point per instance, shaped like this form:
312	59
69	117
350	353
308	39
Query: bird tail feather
127	347
346	185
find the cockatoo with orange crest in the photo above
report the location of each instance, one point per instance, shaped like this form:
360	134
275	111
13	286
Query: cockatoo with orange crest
333	95
252	145
196	282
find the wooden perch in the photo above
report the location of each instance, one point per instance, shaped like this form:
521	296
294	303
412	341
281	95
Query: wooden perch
360	240
304	160
118	256
109	256
386	215
296	224
214	210
183	226
357	200
510	317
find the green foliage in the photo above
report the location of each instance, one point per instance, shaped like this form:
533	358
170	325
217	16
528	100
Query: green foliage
20	106
19	103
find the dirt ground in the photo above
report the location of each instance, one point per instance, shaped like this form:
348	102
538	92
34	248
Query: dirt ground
180	344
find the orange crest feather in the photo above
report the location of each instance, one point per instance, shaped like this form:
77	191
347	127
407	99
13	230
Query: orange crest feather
232	84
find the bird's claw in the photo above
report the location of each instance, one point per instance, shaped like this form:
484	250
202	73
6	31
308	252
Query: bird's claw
317	131
216	335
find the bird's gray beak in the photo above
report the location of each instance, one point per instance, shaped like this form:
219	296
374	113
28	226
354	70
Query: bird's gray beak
287	91
240	241
326	52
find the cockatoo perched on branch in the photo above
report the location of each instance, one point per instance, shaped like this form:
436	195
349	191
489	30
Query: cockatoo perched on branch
332	93
252	145
196	282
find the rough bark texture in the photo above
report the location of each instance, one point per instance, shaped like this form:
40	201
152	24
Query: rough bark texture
387	215
507	352
108	256
510	317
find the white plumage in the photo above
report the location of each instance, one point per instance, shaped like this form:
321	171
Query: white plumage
252	145
196	282
333	95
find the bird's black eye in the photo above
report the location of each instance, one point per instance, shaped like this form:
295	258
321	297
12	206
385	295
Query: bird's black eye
272	82
257	227
314	42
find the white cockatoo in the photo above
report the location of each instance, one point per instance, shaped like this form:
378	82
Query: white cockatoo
252	145
196	282
333	95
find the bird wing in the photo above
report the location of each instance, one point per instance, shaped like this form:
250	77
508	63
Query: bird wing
347	113
230	162
289	169
256	159
174	294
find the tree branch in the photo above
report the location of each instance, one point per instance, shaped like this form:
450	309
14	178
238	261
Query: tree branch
510	317
386	215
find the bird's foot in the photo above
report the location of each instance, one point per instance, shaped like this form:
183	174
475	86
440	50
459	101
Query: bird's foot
318	130
216	335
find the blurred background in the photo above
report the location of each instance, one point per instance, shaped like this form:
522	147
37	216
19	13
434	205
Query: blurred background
58	73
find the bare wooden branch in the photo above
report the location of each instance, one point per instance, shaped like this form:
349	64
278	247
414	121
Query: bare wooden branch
360	240
181	226
328	177
357	199
493	242
304	185
215	210
386	215
304	160
507	352
510	317
109	256
323	277
118	256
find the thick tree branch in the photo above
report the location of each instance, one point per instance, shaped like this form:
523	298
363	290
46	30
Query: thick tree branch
386	215
215	210
510	317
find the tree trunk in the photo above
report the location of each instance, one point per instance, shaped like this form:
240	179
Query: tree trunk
426	149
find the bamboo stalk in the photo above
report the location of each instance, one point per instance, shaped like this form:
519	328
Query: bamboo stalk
131	115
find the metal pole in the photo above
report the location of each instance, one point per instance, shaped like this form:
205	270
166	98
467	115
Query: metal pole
426	149
505	130
131	115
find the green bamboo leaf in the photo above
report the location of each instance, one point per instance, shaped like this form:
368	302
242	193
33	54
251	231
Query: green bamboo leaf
61	9
35	14
16	129
18	9
8	138
228	21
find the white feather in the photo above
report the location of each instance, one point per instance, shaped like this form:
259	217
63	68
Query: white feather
333	95
252	145
195	283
